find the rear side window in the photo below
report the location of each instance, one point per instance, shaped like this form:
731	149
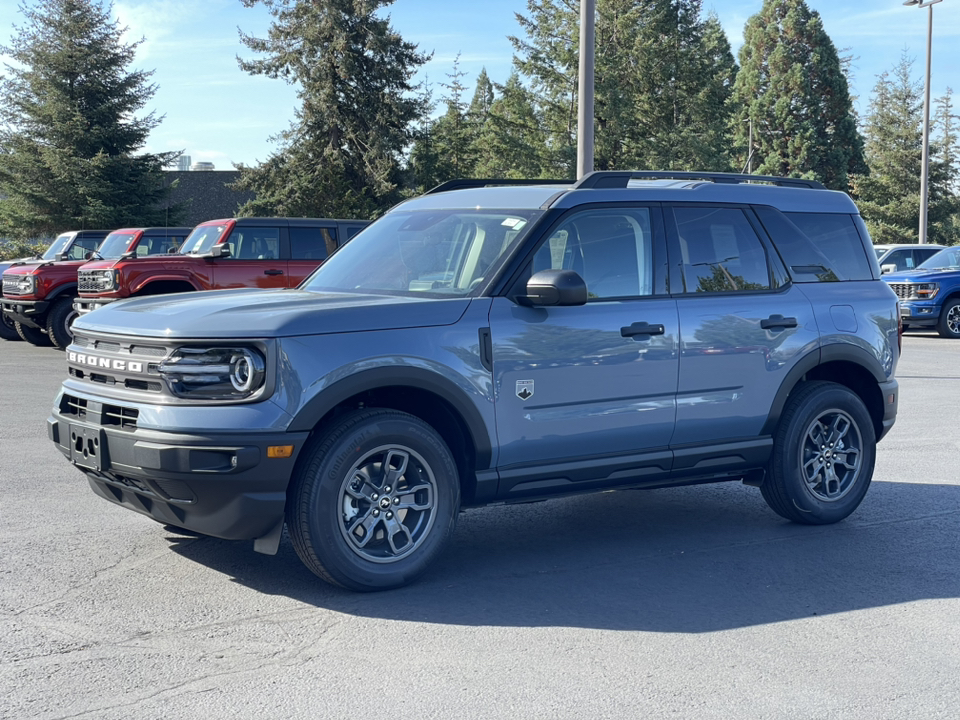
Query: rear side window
82	246
720	251
817	247
312	243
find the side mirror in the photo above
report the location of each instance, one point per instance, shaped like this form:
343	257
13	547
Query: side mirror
62	256
884	269
555	287
173	250
219	251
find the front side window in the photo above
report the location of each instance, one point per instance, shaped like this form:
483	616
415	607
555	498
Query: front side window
443	253
202	239
720	251
254	243
83	247
611	249
152	245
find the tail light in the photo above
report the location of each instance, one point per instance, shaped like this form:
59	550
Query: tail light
899	329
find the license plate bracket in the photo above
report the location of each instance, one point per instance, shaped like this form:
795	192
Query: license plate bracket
88	447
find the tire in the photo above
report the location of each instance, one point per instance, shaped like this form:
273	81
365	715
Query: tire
354	525
949	323
8	329
801	485
32	335
59	320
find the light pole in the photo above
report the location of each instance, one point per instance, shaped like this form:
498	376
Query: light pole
925	157
588	14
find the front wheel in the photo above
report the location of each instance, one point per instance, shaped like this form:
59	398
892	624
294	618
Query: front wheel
32	335
373	500
59	321
8	328
823	456
949	323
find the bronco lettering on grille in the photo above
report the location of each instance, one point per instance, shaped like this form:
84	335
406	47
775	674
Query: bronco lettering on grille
103	362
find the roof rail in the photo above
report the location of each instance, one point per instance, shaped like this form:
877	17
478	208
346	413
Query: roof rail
618	179
464	183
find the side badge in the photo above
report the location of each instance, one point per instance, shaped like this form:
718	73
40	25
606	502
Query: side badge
524	389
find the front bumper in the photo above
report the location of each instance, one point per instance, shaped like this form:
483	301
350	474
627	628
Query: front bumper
28	312
891	399
84	305
919	314
219	485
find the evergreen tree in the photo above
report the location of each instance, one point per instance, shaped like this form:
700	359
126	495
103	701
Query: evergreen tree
70	139
947	230
342	154
792	86
452	131
889	197
483	97
425	167
511	143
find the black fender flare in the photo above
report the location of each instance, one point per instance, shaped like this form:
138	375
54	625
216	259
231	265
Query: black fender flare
313	411
825	354
57	293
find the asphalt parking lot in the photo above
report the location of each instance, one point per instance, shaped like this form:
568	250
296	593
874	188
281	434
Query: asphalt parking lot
688	603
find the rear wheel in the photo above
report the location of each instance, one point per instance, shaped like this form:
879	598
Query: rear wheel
823	457
373	501
8	329
949	323
34	336
59	320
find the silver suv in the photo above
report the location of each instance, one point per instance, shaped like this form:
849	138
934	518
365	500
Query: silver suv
501	344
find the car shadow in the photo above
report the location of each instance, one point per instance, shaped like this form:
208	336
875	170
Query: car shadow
684	560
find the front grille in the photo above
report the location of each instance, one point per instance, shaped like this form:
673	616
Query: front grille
905	291
75	406
117	416
11	284
123	417
88	281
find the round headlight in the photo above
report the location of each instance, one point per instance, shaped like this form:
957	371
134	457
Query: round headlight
246	371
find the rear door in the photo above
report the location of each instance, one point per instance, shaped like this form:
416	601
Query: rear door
255	259
743	326
309	246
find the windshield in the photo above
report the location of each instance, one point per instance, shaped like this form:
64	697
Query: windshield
57	247
202	239
948	258
115	245
879	252
445	253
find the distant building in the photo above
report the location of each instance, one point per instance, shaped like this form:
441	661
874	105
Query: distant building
202	166
183	163
205	195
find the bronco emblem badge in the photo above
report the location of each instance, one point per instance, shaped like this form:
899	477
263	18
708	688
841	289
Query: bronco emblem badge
524	389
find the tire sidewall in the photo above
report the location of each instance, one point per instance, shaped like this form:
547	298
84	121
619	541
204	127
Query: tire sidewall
943	328
8	331
59	320
32	335
318	501
787	458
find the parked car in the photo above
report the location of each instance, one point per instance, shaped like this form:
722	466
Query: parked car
930	294
242	252
39	296
896	258
499	345
8	328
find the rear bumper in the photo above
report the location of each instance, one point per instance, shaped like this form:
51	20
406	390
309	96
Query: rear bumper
28	312
891	400
219	485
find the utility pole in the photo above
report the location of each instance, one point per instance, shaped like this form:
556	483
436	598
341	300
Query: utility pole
588	15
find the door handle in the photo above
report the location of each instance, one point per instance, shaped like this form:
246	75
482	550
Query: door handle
273	272
778	321
641	330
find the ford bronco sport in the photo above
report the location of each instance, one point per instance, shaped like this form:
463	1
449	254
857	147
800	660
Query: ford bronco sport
501	344
40	296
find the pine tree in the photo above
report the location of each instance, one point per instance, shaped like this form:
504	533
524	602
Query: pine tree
947	230
889	197
452	131
511	143
792	86
342	154
70	140
483	97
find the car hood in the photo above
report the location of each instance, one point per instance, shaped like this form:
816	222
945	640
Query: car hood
254	313
924	275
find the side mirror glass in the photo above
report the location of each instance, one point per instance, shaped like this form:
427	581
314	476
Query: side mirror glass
555	287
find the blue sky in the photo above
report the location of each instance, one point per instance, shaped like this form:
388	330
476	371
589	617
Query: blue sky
217	113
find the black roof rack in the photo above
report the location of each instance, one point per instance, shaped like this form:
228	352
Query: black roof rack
464	183
618	179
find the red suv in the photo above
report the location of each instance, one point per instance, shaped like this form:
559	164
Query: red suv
39	295
242	252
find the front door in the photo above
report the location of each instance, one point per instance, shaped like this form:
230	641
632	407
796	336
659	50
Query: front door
254	260
587	394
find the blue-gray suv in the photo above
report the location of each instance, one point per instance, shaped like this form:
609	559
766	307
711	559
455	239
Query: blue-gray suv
503	343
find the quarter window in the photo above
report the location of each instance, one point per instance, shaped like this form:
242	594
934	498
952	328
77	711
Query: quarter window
312	243
612	250
719	250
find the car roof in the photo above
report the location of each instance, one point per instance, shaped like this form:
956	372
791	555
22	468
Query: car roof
897	246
